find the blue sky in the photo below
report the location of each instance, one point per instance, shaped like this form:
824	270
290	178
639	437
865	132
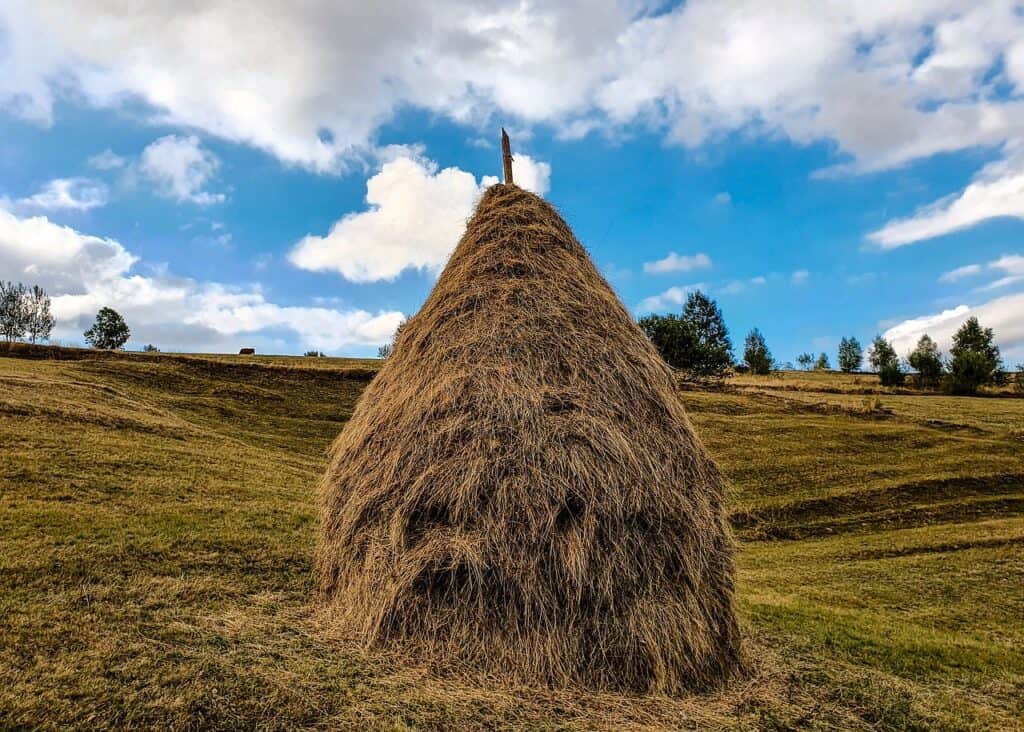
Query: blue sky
293	179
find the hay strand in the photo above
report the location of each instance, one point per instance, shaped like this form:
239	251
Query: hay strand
519	491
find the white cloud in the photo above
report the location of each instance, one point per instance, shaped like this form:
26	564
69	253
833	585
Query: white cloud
968	270
737	286
1003	315
998	190
671	299
72	194
723	199
180	168
313	82
678	263
84	273
416	216
1013	267
799	276
107	160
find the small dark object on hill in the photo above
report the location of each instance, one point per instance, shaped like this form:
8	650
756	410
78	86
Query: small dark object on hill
519	493
314	354
246	351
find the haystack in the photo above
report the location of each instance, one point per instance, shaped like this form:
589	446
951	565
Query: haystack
519	491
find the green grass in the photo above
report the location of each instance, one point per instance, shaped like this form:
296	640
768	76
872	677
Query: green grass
157	526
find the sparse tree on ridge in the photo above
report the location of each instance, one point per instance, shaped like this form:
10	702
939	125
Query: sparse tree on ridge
851	355
883	359
822	363
805	360
387	349
756	354
109	332
927	361
39	320
976	360
14	312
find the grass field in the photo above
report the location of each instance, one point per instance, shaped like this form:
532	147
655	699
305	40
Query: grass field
157	525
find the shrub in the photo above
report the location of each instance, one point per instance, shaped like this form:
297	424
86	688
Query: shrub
851	354
314	354
109	332
756	355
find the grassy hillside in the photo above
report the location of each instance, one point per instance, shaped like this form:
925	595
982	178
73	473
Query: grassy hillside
157	525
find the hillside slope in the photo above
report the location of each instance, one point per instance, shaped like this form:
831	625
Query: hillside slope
157	527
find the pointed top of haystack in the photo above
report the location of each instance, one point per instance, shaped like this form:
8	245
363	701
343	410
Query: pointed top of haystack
519	490
506	156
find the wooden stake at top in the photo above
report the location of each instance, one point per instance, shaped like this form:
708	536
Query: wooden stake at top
506	155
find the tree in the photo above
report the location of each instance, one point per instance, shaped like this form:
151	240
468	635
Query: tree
696	342
672	336
976	360
927	361
1018	379
712	353
109	332
805	360
387	349
39	320
851	355
756	354
822	363
150	348
883	359
14	313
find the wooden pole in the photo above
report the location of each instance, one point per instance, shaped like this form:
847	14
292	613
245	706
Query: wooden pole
506	156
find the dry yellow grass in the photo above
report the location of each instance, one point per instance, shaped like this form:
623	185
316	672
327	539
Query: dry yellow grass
157	529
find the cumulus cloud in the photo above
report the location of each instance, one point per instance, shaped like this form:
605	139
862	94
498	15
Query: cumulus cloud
998	190
671	299
1003	315
180	168
968	270
72	194
799	276
735	287
416	215
84	273
107	160
678	263
311	83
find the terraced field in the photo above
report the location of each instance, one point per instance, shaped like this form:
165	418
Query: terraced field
157	525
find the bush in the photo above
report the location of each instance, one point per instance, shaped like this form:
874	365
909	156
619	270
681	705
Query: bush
109	332
756	355
314	354
892	374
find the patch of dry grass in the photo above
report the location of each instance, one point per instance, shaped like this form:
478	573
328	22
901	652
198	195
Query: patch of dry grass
157	528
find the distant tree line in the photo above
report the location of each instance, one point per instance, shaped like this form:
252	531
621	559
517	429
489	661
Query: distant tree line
696	342
24	313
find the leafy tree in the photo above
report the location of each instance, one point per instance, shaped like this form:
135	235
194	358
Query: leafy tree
1018	379
150	348
822	363
109	332
927	361
805	360
697	341
39	320
712	353
883	359
851	355
14	312
976	360
756	354
314	354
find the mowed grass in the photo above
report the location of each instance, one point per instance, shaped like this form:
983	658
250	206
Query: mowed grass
157	524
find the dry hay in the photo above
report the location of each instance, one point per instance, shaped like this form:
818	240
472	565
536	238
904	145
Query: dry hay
519	491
